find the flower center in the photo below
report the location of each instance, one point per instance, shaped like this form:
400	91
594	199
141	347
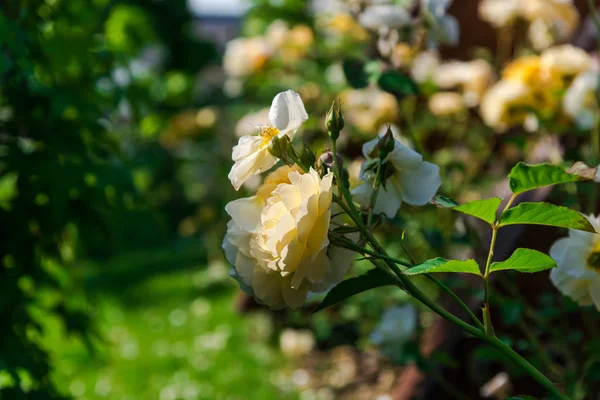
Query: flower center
268	132
593	260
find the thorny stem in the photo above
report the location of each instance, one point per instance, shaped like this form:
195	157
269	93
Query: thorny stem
416	293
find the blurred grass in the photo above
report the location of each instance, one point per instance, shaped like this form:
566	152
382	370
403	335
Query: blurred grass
168	331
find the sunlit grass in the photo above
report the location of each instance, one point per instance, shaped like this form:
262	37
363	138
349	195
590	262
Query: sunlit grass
174	335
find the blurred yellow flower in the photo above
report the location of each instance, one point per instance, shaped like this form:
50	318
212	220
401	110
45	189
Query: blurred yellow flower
246	56
345	26
291	44
446	103
501	106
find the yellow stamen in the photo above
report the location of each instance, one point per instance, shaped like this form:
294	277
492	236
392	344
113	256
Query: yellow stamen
267	132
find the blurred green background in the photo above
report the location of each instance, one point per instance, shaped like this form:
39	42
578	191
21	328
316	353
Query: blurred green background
113	180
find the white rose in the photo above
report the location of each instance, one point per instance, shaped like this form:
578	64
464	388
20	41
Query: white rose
578	272
579	101
384	17
251	155
279	246
410	180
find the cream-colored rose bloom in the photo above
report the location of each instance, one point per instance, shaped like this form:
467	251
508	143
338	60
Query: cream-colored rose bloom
500	101
424	66
246	56
551	21
251	155
410	180
383	17
578	260
446	103
471	77
565	60
367	109
279	246
579	101
499	13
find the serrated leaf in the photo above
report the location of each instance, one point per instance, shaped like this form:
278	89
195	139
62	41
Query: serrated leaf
370	280
444	201
524	177
546	214
397	83
482	209
525	260
442	265
355	73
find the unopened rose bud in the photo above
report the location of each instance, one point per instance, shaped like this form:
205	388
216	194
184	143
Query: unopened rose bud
334	120
386	144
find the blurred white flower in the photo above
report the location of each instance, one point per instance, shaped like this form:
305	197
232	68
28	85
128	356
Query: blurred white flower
395	328
442	28
550	21
499	13
251	155
471	77
424	65
246	56
499	101
384	17
446	103
409	179
278	240
367	109
578	260
579	101
296	343
565	60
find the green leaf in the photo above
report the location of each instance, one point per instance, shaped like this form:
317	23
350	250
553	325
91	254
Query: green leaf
525	260
521	397
355	73
442	265
546	214
397	83
482	209
524	177
443	201
370	280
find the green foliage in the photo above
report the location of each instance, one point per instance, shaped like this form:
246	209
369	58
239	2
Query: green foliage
545	214
524	177
482	209
372	279
525	260
70	107
397	83
355	73
444	201
442	265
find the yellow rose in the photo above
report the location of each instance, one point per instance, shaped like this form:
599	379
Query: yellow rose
279	246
